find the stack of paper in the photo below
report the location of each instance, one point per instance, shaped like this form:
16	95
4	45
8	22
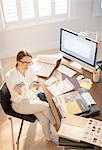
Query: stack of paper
85	83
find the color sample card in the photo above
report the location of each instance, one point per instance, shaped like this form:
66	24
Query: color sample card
93	132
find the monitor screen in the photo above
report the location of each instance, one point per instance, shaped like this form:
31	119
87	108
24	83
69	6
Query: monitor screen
77	47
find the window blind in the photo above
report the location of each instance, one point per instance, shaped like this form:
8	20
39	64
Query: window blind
60	6
44	8
10	10
27	9
17	12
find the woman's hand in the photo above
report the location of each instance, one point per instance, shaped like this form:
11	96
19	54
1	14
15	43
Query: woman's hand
36	85
17	89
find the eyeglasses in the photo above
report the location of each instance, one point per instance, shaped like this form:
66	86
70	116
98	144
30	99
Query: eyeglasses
26	63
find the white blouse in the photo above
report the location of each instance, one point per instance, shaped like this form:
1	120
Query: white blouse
14	77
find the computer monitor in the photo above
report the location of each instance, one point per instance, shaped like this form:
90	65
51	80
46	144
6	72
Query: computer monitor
77	48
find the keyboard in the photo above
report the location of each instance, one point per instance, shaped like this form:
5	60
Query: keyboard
67	71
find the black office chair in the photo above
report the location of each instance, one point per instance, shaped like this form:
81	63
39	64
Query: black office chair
6	105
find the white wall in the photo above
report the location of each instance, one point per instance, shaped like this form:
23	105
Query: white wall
46	36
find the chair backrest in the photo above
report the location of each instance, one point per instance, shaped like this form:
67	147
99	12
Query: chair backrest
6	105
5	98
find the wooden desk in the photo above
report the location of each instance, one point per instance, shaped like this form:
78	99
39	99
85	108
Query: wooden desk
95	91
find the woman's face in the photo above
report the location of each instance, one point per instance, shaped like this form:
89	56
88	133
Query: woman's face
25	62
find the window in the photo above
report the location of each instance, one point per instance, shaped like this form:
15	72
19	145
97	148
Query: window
10	10
27	9
21	12
60	7
44	7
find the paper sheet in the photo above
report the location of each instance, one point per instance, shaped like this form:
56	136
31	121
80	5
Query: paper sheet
76	65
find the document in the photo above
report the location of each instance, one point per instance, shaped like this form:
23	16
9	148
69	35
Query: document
60	87
46	64
72	107
76	65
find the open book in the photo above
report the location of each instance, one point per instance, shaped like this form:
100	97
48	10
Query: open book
46	64
79	129
71	103
60	87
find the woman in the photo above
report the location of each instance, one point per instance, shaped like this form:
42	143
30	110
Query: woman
23	84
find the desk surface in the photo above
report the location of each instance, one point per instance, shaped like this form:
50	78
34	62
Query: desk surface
95	91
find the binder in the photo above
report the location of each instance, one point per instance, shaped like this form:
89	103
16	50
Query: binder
73	144
93	111
93	108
